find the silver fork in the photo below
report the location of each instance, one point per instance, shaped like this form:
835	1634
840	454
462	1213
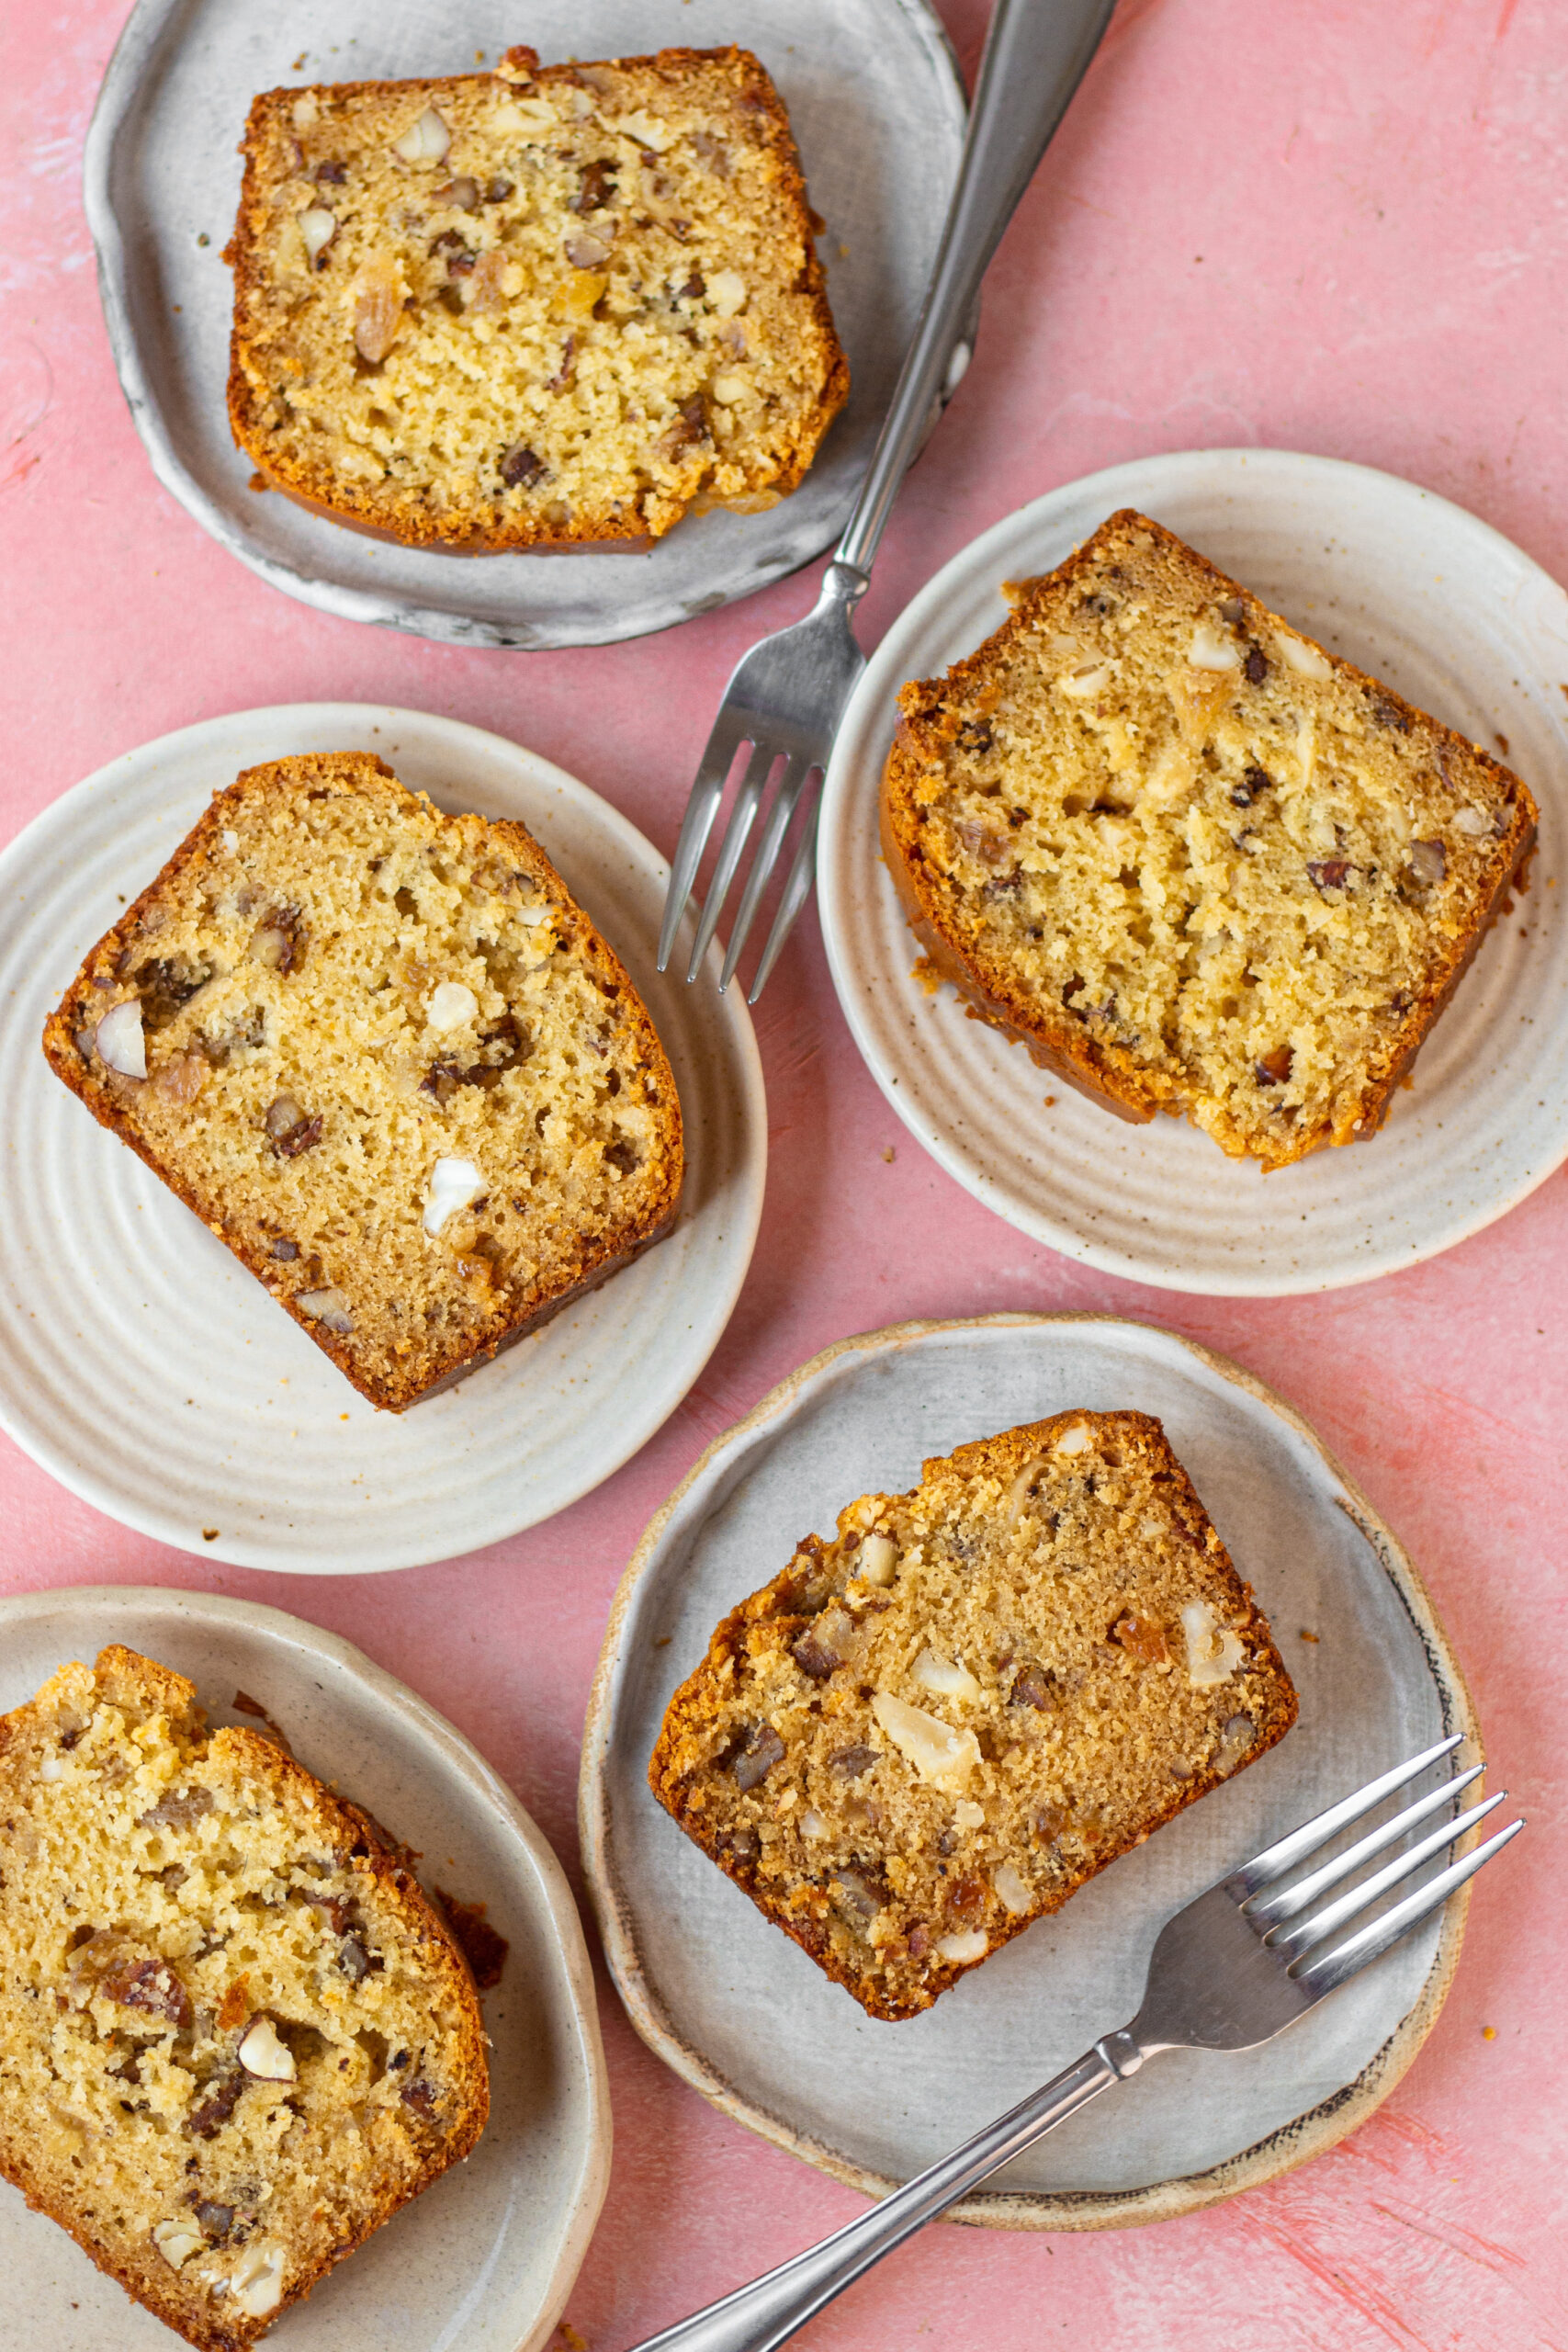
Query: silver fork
1233	1968
787	694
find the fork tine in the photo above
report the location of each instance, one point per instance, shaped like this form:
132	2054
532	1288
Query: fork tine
1335	1968
741	818
1304	1893
1275	1860
790	785
713	771
796	891
1297	1940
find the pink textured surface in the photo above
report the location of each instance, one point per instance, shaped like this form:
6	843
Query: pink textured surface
1304	224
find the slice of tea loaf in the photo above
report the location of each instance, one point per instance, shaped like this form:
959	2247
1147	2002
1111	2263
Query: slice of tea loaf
389	1059
929	1731
545	307
237	2037
1193	862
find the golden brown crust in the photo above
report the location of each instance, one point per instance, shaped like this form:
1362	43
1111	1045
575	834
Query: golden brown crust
142	1689
324	492
113	1104
1101	1068
765	1628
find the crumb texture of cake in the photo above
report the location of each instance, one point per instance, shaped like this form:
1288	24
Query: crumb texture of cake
549	306
1193	862
926	1733
237	2036
386	1056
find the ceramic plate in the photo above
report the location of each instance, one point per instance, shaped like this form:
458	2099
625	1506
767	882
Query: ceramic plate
487	2257
143	1365
735	2007
878	112
1418	592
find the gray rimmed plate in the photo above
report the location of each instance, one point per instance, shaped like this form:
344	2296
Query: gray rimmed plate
487	2257
745	2018
878	111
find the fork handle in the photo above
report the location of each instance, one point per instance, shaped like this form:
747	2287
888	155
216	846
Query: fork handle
758	2317
1036	54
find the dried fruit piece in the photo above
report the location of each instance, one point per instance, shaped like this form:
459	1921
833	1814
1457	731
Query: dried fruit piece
377	307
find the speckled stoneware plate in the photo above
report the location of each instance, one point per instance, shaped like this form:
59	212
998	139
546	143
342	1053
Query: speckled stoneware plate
1418	592
486	2257
745	2017
149	1373
878	112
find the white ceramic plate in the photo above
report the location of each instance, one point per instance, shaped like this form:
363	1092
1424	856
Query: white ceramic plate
149	1373
878	112
735	2007
1418	592
486	2257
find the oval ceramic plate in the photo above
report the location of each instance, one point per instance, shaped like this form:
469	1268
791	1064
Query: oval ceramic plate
486	2257
1418	592
149	1373
735	2007
878	112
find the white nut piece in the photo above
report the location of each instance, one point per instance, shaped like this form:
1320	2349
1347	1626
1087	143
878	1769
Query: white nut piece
1077	1440
1298	654
949	1678
972	1945
942	1754
230	840
730	390
262	2054
306	113
1211	648
255	2285
452	1184
876	1560
424	141
178	2240
450	1005
644	129
1214	1651
812	1824
1472	822
329	1307
1089	679
119	1038
318	227
533	117
967	1815
1013	1888
726	292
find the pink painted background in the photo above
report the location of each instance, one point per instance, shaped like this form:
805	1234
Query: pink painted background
1331	225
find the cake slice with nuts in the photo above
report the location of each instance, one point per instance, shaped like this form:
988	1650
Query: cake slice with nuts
547	307
932	1730
237	2037
1190	860
387	1058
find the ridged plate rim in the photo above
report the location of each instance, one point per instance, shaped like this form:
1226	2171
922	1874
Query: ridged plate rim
150	1617
673	1305
1488	1118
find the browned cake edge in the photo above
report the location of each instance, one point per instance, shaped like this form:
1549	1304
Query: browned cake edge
383	1861
592	1269
1004	1456
323	492
1108	1073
